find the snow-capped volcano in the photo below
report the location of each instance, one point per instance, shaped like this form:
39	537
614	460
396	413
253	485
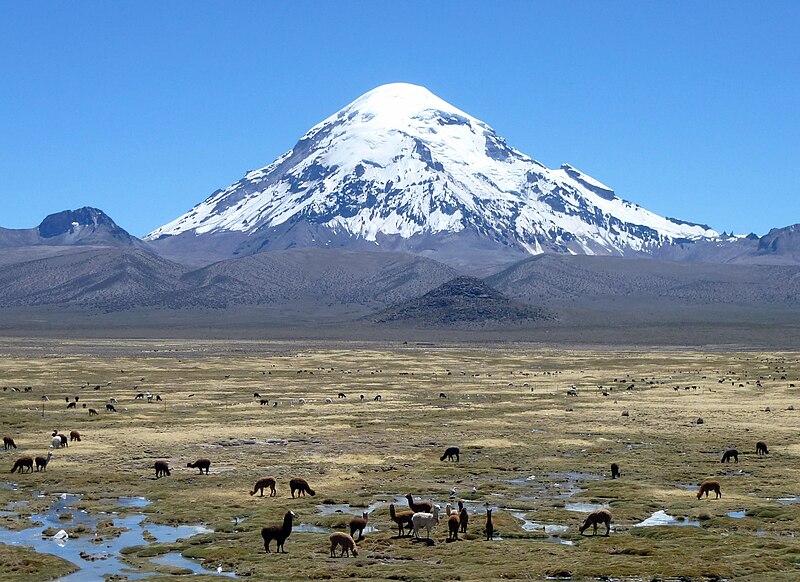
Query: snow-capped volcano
401	169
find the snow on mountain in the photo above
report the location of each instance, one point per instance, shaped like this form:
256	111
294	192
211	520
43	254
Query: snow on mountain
399	164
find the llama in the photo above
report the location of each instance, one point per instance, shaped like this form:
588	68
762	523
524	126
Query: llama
453	524
402	519
42	462
357	524
329	401
162	468
71	405
614	471
301	486
595	518
110	408
63	441
730	454
279	533
139	396
378	398
55	442
263	402
23	463
451	454
489	524
74	436
342	395
92	412
761	448
339	538
8	443
419	506
707	486
202	464
262	483
463	516
425	520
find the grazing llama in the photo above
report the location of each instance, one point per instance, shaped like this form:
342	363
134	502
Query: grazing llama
595	518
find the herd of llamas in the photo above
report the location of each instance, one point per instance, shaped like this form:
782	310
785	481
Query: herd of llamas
420	517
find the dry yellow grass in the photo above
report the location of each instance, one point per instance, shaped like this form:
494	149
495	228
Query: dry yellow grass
507	408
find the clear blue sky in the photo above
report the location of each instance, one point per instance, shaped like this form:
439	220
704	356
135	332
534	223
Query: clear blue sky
691	109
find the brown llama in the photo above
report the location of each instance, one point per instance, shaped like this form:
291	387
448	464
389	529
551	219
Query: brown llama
339	538
262	483
419	506
463	517
301	486
489	524
761	448
202	464
162	468
74	436
614	471
357	524
595	518
279	533
42	462
402	519
707	486
451	454
730	454
23	463
92	412
453	524
8	443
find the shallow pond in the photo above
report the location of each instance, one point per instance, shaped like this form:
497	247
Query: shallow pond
582	507
96	556
661	517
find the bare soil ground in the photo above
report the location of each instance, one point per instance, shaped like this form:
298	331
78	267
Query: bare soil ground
528	448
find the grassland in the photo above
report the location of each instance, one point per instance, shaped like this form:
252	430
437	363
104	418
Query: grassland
526	446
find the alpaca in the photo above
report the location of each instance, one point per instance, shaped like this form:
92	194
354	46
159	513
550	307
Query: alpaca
357	524
463	517
162	468
75	436
301	486
23	463
262	483
202	464
92	412
453	524
614	471
279	533
8	443
595	518
450	453
110	408
42	462
761	448
263	402
71	405
339	538
730	454
424	519
419	506
342	395
402	519
489	524
709	485
55	442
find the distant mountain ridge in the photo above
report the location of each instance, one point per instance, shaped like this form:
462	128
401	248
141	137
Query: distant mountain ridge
400	169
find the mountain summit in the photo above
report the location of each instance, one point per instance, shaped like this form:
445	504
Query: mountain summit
401	169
